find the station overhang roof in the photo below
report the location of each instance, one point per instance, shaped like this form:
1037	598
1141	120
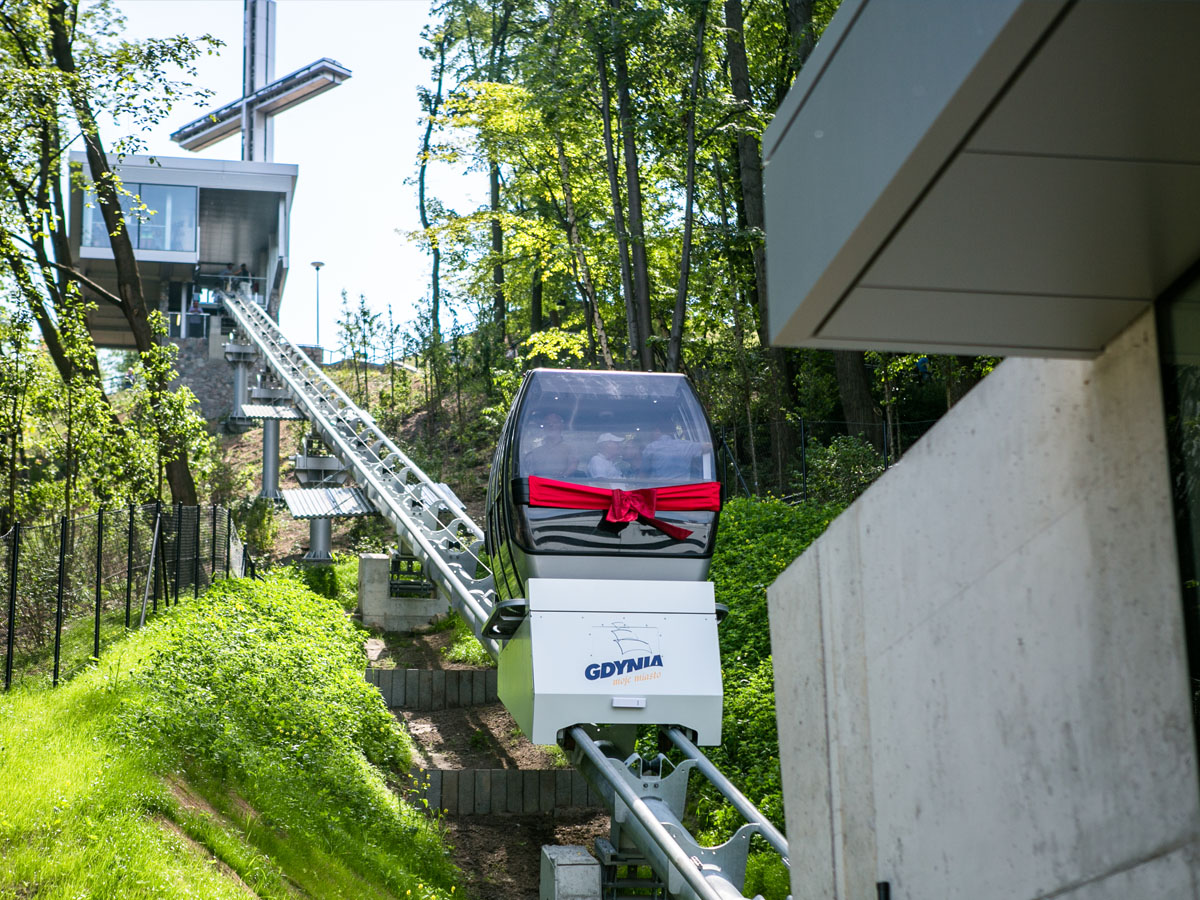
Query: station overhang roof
1011	177
222	174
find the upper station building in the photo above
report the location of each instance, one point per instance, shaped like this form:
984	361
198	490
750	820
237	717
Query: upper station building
985	668
191	219
202	215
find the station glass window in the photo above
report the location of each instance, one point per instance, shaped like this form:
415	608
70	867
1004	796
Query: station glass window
167	223
1179	342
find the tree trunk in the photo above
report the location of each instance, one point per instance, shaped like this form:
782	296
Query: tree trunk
495	72
960	378
854	387
584	278
675	345
802	38
498	305
435	276
633	351
749	158
535	297
129	280
435	103
633	191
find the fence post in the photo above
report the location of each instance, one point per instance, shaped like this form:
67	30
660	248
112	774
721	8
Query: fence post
58	612
212	566
178	544
12	605
228	538
129	566
156	551
196	558
803	460
885	444
99	578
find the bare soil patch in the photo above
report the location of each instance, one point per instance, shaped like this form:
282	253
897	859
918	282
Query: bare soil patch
476	737
501	855
416	651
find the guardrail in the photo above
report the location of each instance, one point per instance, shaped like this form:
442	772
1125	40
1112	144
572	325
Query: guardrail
430	522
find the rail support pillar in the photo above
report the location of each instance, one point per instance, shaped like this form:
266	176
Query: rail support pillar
320	541
270	470
241	357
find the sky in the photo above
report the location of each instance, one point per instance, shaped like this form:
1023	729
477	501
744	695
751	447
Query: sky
356	145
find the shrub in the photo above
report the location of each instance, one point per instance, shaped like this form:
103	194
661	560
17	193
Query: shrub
840	472
337	581
259	686
256	522
465	648
756	541
371	534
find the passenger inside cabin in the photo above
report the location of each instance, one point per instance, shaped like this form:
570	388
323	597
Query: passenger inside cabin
553	457
604	464
671	459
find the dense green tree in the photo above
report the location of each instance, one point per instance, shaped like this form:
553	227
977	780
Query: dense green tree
626	142
63	67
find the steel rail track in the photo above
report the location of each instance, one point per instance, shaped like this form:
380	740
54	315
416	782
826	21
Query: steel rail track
408	499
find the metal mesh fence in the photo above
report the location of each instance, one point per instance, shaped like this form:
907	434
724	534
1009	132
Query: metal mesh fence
798	461
69	590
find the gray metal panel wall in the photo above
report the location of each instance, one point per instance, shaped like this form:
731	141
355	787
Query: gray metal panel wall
873	120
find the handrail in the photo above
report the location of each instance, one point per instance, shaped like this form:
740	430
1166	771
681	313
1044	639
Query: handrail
726	789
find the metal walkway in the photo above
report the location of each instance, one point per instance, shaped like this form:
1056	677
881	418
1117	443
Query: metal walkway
647	805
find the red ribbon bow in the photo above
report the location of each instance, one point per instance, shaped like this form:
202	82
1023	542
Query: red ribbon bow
626	506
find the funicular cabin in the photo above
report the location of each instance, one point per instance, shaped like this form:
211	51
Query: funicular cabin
576	445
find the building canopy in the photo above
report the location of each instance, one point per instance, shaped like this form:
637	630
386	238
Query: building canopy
1013	177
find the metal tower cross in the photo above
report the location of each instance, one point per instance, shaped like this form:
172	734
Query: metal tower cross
263	96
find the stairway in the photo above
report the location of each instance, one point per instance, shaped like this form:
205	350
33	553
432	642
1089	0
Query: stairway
472	759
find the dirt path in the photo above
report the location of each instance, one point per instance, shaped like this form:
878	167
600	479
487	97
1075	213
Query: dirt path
500	855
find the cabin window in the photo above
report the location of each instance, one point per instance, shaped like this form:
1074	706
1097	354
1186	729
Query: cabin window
627	431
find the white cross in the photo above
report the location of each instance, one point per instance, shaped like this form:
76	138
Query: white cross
263	96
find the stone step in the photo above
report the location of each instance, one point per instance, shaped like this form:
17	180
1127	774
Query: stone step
428	689
482	792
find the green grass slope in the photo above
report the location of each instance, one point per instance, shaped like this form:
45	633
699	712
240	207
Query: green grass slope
231	749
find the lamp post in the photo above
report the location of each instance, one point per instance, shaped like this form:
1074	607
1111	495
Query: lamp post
317	266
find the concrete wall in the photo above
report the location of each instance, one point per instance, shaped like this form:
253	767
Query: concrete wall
980	667
483	792
432	689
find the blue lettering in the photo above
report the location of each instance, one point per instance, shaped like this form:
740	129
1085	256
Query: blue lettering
596	671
